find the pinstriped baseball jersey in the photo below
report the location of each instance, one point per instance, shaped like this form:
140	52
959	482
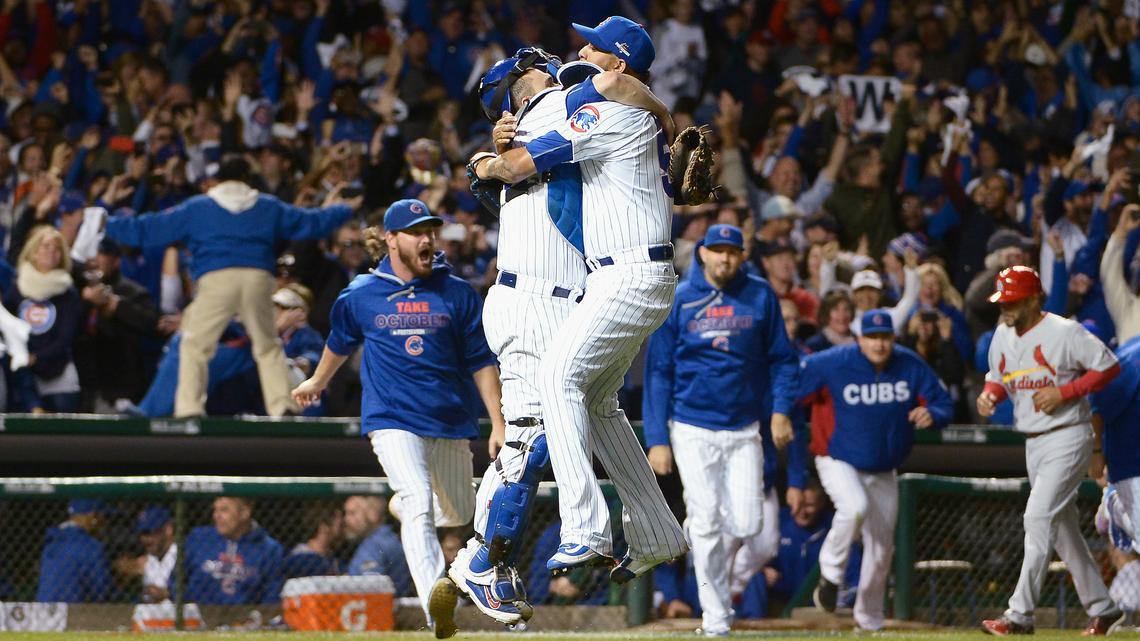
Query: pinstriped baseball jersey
626	195
529	243
1053	352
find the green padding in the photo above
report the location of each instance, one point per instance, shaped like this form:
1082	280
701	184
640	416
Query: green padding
302	427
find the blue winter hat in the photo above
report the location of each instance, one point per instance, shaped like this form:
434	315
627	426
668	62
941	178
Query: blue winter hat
724	235
152	518
406	213
76	507
71	201
623	38
876	321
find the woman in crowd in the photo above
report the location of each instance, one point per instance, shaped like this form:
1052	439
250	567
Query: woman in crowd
836	312
936	293
46	298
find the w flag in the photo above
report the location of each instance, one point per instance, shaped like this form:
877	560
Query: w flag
871	94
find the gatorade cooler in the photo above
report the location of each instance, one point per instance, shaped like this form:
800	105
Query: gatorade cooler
339	603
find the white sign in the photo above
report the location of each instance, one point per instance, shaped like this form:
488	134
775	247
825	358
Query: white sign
871	94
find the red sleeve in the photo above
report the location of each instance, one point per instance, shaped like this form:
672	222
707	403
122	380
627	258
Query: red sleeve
997	389
1092	381
40	58
777	24
5	25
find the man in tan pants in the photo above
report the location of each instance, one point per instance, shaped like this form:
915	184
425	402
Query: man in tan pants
231	232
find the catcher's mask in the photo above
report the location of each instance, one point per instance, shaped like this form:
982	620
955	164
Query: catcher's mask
495	88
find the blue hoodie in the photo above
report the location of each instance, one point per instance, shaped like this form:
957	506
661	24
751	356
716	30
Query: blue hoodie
228	232
868	426
1119	406
225	572
722	360
73	567
423	340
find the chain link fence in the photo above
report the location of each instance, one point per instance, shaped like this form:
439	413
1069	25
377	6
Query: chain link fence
959	553
248	553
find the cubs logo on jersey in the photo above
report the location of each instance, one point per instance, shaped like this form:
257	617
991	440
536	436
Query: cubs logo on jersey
585	118
876	393
414	345
40	315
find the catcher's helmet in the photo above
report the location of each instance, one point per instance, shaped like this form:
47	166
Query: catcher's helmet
495	88
1015	283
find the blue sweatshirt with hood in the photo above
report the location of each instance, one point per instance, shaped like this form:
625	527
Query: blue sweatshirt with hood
722	361
423	339
232	225
227	572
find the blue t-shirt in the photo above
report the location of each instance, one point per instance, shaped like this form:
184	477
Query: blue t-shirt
422	340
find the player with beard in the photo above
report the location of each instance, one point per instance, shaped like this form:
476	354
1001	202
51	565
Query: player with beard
425	357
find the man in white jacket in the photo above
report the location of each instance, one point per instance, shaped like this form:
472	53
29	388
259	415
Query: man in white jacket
1123	304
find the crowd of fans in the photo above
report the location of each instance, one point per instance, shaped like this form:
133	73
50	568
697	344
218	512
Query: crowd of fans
1010	138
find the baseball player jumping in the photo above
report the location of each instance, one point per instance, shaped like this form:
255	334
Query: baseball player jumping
876	394
719	366
1047	365
424	357
622	227
540	281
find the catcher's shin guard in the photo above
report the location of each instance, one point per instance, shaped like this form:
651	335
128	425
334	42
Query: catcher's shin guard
511	503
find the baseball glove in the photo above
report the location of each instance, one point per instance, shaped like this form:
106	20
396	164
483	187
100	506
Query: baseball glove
690	167
485	191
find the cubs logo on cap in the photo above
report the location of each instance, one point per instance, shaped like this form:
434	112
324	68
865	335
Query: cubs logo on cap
406	213
724	235
876	321
623	38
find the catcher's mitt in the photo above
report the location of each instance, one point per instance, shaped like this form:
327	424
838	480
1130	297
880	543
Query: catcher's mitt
485	191
690	167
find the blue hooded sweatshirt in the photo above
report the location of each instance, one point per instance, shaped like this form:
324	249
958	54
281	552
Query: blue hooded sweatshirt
225	572
422	340
223	230
868	426
1119	406
73	567
722	360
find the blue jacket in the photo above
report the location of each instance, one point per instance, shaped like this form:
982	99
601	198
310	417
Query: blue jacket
1119	406
419	337
304	561
382	553
219	239
722	360
799	552
73	567
869	428
225	572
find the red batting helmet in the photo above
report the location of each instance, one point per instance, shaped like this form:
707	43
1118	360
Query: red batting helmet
1015	283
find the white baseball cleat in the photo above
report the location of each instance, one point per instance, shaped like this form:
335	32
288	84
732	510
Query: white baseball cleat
480	588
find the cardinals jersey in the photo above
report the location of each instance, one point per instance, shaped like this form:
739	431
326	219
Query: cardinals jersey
1054	352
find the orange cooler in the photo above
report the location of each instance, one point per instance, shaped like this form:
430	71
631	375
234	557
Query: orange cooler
339	603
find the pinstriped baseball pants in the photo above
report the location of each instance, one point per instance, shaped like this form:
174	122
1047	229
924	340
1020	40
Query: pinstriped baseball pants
579	377
723	475
431	486
520	328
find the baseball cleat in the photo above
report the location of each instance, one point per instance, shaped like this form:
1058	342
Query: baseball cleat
481	588
441	606
631	568
1003	627
826	595
1100	626
571	556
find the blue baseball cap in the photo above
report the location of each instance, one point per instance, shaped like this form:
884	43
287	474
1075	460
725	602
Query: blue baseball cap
85	506
406	213
1075	188
152	518
876	321
624	38
724	235
71	201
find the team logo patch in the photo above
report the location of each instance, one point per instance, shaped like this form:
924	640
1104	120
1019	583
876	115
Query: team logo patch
584	119
416	208
725	232
622	47
877	320
721	343
41	316
414	345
